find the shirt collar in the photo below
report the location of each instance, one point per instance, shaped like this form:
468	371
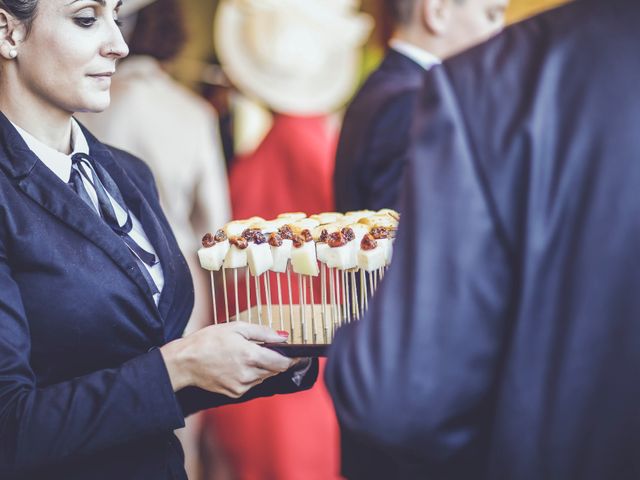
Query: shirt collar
58	162
423	58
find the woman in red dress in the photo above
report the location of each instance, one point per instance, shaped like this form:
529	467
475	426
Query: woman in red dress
307	72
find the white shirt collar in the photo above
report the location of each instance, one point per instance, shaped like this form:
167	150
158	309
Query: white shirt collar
58	162
423	58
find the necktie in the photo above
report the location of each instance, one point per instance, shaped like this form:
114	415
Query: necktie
105	186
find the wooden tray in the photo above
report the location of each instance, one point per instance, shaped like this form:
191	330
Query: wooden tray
295	351
310	329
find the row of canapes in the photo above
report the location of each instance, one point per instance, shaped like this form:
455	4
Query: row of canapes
360	239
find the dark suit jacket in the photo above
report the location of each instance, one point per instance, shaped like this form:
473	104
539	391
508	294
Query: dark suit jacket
503	342
374	139
84	393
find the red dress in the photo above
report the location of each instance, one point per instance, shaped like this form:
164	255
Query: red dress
288	437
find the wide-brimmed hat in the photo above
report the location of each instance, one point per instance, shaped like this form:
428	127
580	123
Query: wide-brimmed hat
296	56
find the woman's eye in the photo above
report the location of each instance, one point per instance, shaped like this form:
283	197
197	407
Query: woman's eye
85	22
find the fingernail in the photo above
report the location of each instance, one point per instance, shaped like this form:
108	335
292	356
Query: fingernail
283	333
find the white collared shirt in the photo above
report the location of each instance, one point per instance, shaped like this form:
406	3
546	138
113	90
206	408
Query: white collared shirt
60	164
423	58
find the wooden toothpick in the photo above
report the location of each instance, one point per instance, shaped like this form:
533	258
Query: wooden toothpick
213	295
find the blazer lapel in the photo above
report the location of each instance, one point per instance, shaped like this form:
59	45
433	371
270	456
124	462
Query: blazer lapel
38	182
156	232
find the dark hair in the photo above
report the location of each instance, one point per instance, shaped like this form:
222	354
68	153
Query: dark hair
401	11
23	10
159	31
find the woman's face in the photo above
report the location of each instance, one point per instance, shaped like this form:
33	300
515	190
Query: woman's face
67	60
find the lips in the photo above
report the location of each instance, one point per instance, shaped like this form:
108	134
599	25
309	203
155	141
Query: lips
101	75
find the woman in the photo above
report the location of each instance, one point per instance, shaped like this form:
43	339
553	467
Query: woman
94	292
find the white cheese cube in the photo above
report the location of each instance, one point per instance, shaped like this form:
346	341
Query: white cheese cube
211	258
386	221
235	228
388	254
293	216
359	231
321	251
266	227
385	245
281	256
371	260
235	258
259	258
344	257
304	260
327	217
279	222
305	224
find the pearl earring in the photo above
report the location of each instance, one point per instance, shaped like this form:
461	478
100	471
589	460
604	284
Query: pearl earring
13	53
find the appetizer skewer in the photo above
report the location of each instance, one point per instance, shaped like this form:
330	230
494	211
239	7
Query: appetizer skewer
349	253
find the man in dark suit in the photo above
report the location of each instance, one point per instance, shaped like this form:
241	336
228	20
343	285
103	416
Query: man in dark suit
372	150
503	343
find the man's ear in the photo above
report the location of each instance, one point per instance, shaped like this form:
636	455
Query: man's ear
436	16
12	33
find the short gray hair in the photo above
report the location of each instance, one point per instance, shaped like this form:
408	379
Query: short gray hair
402	11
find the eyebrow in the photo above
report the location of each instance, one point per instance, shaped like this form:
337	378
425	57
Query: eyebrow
102	3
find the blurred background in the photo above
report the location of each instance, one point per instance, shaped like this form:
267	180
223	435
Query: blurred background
252	122
218	154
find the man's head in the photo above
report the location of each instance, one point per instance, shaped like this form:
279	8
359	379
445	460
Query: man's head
447	27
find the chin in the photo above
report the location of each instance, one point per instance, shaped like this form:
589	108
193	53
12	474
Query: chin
96	104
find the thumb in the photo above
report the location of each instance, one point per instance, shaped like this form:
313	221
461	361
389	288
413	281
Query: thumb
259	333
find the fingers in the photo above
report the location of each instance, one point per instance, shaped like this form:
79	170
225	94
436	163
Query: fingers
258	333
226	359
257	376
250	379
267	359
300	361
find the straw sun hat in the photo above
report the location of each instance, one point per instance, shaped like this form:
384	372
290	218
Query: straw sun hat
297	56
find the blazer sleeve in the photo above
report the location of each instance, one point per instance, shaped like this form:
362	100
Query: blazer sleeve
416	374
41	425
193	399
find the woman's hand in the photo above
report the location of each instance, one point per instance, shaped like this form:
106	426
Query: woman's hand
224	358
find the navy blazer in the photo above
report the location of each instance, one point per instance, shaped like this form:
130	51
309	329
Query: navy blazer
504	342
373	146
84	392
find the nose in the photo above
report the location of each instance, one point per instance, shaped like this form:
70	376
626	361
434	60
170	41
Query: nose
115	47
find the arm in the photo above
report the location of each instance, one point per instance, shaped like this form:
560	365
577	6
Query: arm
40	425
416	375
222	364
193	399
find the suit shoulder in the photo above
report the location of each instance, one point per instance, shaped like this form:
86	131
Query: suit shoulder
386	108
383	84
518	52
383	93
